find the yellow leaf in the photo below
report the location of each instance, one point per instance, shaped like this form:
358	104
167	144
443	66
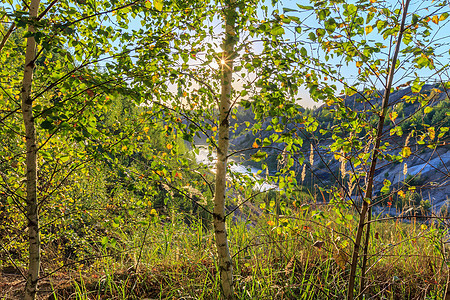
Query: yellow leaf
124	148
169	146
401	194
423	227
369	29
184	94
255	145
271	223
214	128
153	212
393	115
406	152
17	97
146	129
158	4
435	19
431	132
359	64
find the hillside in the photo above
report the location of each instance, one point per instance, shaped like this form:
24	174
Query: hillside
427	168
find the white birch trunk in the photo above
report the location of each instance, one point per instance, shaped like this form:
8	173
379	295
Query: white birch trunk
224	257
31	162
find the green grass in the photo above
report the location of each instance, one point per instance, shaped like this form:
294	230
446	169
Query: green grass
275	258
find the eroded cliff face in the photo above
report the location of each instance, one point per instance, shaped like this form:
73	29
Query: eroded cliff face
426	170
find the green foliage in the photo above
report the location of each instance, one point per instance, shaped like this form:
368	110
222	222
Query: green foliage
175	260
118	108
414	180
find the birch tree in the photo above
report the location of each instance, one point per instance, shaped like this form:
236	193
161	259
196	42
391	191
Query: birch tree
400	56
64	86
31	162
201	95
228	54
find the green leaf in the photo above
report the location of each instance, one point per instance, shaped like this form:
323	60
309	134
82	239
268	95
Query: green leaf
386	185
330	25
266	142
277	30
286	9
303	52
259	155
47	124
416	87
351	9
305	7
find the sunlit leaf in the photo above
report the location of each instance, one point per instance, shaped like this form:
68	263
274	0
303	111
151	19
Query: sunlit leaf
393	115
431	132
406	152
427	109
435	19
158	4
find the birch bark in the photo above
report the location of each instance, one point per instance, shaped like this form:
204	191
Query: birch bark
31	161
225	263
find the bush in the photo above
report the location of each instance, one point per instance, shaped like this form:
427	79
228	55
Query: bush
414	180
445	209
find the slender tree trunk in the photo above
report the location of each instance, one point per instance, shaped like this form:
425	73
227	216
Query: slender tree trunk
34	242
225	263
365	253
376	149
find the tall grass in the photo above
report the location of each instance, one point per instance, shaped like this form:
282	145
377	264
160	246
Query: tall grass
301	256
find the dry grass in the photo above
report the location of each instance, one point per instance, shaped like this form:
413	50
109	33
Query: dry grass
303	256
